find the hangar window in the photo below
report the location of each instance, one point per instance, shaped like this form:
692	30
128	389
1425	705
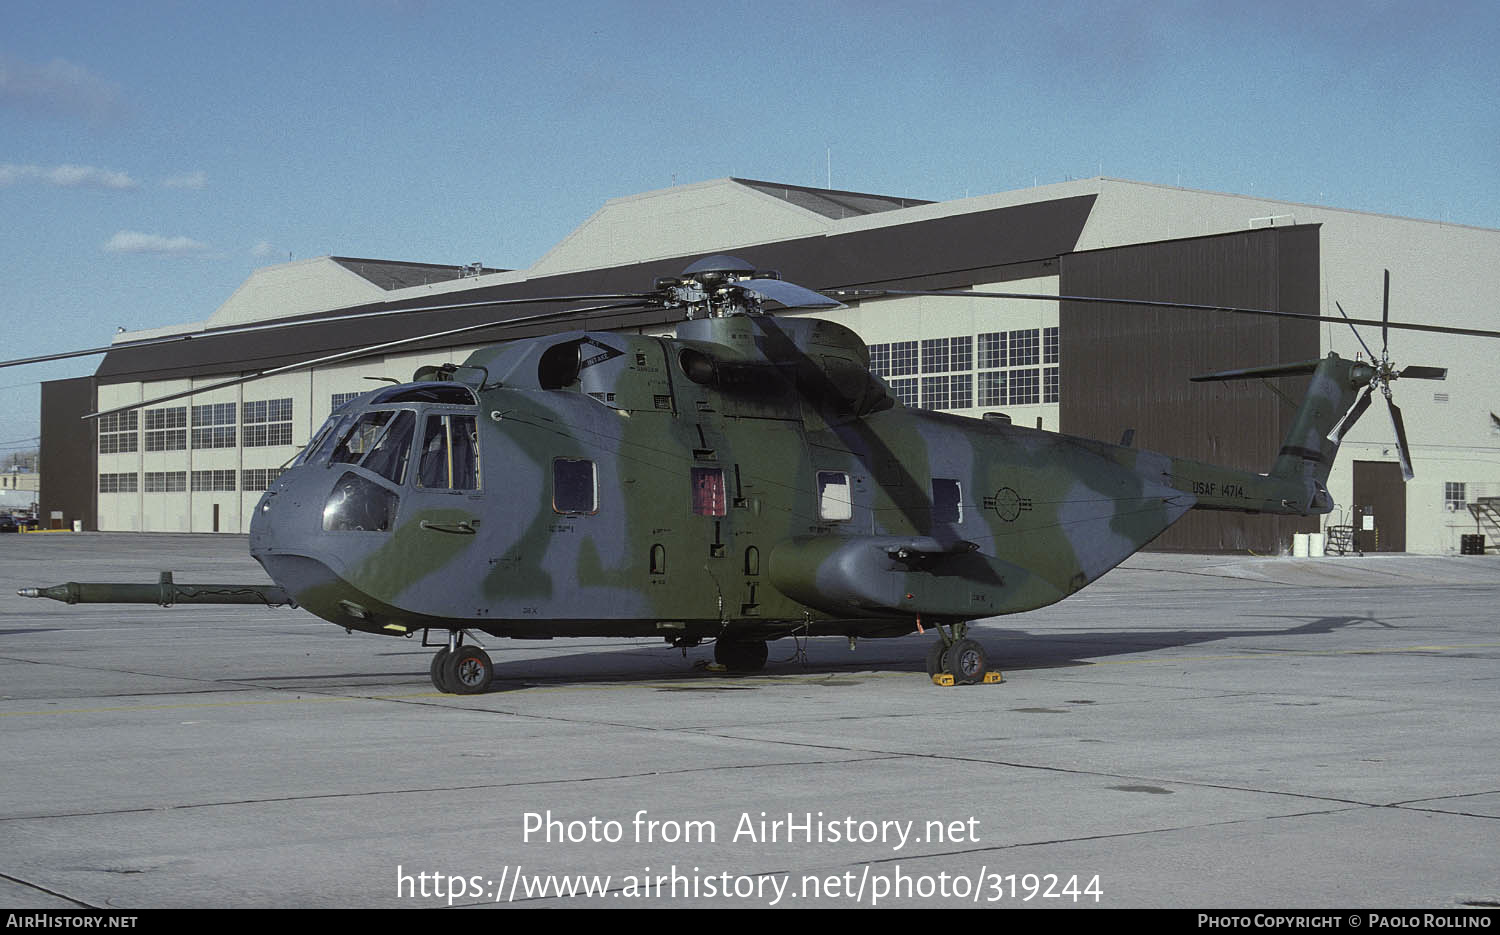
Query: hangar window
935	355
935	393
575	486
903	358
213	426
880	358
268	422
1024	347
117	432
960	391
258	478
991	350
339	399
834	499
119	483
1050	385
992	388
708	491
213	480
166	429
1025	387
166	481
1049	345
947	501
961	353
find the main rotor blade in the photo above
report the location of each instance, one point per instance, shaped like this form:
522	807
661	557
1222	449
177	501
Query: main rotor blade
1385	318
329	319
1250	373
368	351
857	294
1356	331
1423	373
1402	451
788	293
1361	403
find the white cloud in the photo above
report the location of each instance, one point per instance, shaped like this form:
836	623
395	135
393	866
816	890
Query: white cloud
57	88
264	250
137	242
196	181
65	176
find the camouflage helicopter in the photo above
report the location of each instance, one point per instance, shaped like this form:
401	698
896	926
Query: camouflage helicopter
746	480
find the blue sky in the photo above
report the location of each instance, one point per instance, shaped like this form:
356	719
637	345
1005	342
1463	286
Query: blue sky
152	155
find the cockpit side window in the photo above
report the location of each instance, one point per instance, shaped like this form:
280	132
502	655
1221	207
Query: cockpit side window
359	439
390	455
317	450
450	453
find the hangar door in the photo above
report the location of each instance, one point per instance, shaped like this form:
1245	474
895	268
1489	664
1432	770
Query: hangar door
1379	507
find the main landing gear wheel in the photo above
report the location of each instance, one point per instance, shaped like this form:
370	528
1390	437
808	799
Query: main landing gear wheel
966	662
741	655
468	671
439	680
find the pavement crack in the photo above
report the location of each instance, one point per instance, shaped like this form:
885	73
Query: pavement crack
429	790
42	889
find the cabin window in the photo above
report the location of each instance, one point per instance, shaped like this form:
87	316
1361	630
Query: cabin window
658	559
947	501
708	491
834	499
575	486
450	454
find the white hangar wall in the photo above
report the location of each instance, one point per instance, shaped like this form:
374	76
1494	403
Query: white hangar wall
1440	274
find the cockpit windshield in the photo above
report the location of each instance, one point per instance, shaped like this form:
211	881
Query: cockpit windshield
381	440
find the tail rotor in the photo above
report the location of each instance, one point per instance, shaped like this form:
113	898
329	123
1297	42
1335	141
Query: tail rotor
1385	373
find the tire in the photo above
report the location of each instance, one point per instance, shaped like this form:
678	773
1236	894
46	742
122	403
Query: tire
439	680
966	661
468	671
935	654
741	655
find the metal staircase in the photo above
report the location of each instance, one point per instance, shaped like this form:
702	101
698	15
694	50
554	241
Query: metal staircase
1486	513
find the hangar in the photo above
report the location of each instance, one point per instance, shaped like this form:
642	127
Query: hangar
198	464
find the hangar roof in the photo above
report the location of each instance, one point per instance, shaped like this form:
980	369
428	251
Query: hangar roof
398	274
829	202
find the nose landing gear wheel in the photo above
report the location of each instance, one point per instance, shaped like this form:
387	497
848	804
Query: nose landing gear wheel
439	663
468	671
935	654
966	662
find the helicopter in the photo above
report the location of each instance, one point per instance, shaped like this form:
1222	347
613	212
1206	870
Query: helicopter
745	480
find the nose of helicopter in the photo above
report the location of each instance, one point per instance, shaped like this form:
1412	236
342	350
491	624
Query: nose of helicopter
283	532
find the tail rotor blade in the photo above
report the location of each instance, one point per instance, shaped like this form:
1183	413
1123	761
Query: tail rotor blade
1361	403
1401	450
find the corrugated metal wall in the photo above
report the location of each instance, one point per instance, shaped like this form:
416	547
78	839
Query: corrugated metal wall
69	471
1128	367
